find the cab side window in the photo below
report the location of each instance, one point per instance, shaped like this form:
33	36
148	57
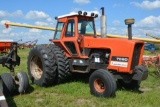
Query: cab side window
70	29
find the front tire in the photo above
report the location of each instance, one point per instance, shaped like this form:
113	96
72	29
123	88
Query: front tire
102	83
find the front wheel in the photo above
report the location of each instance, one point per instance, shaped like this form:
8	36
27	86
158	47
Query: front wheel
102	83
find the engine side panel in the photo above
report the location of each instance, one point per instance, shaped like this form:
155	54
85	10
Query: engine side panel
125	54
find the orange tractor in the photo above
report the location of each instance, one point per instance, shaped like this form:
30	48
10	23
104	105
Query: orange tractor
77	48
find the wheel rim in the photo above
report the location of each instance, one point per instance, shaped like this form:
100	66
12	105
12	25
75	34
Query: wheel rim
99	85
36	67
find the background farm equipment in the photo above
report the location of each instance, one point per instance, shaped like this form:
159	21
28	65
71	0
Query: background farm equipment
152	61
12	81
4	46
150	47
28	44
155	37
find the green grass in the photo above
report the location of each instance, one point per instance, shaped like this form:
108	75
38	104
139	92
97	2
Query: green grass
76	93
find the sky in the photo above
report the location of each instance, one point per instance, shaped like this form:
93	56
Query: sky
43	12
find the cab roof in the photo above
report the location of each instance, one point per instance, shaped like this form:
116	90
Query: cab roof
73	14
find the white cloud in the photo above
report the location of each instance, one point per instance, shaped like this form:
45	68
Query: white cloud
41	23
17	13
42	19
150	21
150	24
35	30
116	23
116	31
6	14
6	31
81	2
38	15
3	14
146	4
2	22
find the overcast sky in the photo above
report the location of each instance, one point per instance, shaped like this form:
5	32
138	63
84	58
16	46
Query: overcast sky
42	12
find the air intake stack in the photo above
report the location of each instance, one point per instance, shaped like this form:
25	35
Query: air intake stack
129	22
103	24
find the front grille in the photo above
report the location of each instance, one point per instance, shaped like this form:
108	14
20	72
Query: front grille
136	55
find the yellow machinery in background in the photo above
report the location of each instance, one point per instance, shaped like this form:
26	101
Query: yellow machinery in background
155	37
7	24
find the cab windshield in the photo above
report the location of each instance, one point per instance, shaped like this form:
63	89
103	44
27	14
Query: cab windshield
86	27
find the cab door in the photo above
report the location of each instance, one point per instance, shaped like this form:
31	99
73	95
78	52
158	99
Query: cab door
70	39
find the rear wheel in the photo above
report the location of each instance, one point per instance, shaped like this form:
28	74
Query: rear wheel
102	83
41	66
7	83
61	63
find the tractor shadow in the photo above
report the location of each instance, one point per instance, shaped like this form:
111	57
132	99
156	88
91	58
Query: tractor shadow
28	91
128	89
84	78
78	77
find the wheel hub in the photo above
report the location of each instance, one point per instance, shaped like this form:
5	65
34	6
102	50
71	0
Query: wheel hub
99	85
36	67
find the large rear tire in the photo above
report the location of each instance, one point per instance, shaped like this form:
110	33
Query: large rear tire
8	84
102	83
61	63
41	66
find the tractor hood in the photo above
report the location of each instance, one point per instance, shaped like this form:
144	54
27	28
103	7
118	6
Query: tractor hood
91	42
120	50
118	46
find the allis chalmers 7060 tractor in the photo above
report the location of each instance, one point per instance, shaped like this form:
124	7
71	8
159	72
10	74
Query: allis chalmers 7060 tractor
77	48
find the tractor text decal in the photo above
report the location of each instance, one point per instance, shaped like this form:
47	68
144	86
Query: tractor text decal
119	61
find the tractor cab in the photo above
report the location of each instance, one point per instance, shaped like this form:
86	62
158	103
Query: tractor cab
71	29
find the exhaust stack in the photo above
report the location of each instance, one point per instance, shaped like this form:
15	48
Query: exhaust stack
103	24
129	22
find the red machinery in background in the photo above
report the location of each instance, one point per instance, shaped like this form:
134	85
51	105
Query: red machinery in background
152	61
4	46
27	44
10	59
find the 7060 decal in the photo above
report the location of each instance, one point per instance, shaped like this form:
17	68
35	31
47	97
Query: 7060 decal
119	61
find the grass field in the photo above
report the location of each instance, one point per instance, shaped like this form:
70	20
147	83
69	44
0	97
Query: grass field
76	93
